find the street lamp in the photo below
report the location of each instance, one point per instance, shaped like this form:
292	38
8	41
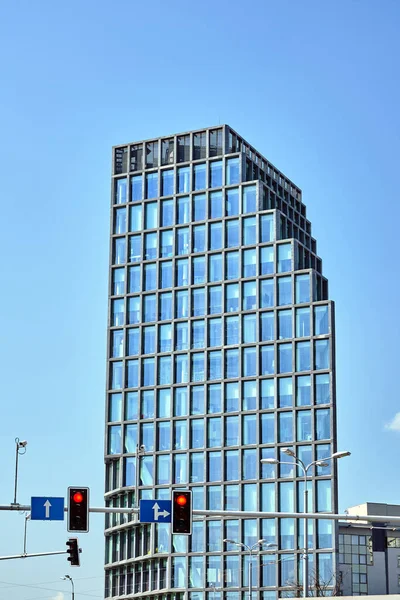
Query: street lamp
249	550
140	451
69	578
20	449
305	468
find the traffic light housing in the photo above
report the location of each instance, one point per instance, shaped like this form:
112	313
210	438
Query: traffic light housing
73	550
182	512
78	509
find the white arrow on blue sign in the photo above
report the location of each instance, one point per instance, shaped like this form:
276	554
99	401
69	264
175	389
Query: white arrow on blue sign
47	509
155	511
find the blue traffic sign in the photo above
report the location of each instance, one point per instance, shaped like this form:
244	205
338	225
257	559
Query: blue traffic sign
155	511
47	509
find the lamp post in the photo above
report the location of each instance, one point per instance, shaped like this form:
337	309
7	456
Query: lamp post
69	578
140	451
249	550
20	448
305	468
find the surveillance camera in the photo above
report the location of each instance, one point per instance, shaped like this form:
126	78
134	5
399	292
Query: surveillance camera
22	444
142	447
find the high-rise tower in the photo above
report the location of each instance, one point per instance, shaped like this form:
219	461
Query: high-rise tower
221	353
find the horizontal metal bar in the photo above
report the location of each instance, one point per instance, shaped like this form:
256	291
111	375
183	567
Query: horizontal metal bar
32	555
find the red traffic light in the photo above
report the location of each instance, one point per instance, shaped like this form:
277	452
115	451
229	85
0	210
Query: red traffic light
181	500
77	497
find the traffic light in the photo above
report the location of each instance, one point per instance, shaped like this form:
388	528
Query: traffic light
73	552
78	509
182	512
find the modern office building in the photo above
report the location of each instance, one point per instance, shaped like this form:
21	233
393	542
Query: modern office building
221	353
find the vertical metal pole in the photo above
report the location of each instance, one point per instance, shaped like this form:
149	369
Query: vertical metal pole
73	588
250	574
16	471
137	461
305	573
27	517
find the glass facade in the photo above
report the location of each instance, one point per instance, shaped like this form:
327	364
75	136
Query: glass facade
221	353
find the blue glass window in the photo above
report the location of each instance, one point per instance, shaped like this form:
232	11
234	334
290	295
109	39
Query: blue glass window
284	291
182	272
199	238
231	331
148	371
181	368
196	475
197	433
115	407
231	397
214	432
267	392
199	207
214	466
120	220
151	185
249	329
267	360
232	233
163	473
197	366
232	265
321	354
134	279
321	322
180	476
249	199
183	210
285	392
216	209
197	334
164	405
302	288
180	435
167	182
151	213
150	276
214	404
285	358
249	260
117	375
249	231
303	362
119	251
322	392
324	495
249	468
303	322
199	174
181	402
182	240
118	277
216	174
231	364
165	309
215	299
132	373
266	293
164	338
249	430
214	365
249	362
232	297
117	343
182	304
267	327
286	496
120	191
197	399
181	336
150	308
249	395
137	188
166	274
285	324
285	426
167	213
136	218
198	302
215	332
133	310
149	340
117	312
131	438
267	228
232	202
183	180
249	299
135	248
268	497
304	432
284	258
199	269
322	419
232	171
215	267
267	260
216	239
303	390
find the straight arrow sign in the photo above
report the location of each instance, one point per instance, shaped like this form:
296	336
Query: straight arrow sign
47	509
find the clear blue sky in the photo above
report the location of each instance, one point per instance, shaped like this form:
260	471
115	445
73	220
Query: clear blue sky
313	85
